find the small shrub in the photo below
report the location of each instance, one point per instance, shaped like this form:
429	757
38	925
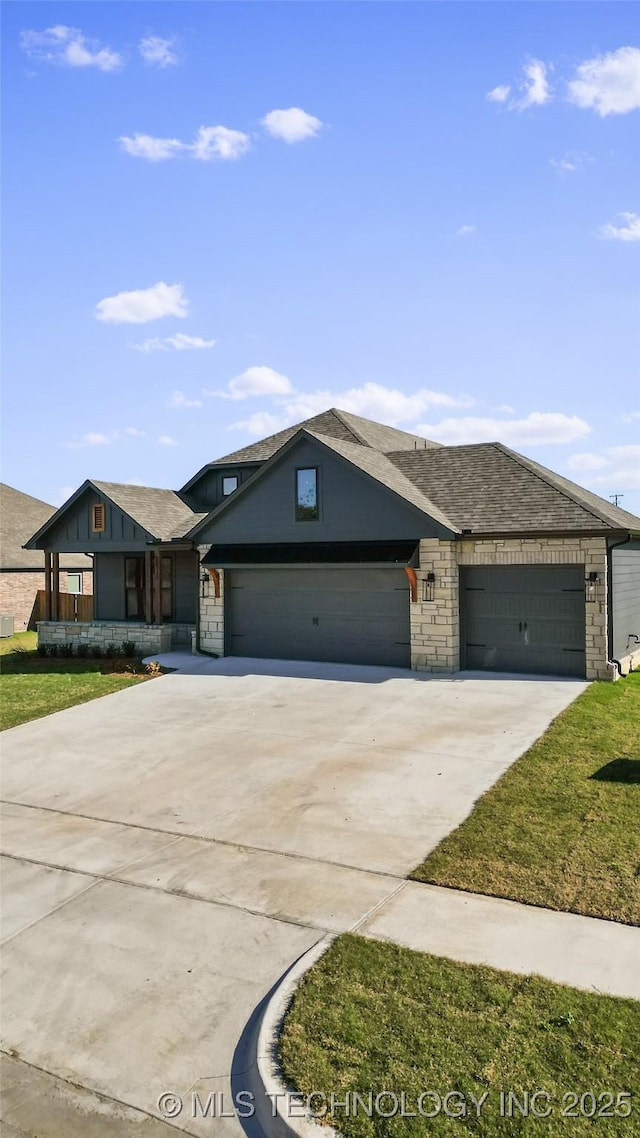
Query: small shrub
66	650
53	650
112	651
153	669
95	651
43	649
83	650
128	648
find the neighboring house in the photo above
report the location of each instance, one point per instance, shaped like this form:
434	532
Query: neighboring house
344	540
22	570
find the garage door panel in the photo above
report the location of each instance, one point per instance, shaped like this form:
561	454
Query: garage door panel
342	616
524	618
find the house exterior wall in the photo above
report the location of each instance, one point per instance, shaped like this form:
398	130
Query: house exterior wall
18	591
435	625
353	507
149	639
211	614
206	493
73	533
110	586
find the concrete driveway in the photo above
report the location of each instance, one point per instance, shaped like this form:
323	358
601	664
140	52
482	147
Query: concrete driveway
171	849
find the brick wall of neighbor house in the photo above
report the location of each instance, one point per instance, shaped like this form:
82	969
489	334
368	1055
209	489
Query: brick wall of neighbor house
18	592
435	633
212	615
149	639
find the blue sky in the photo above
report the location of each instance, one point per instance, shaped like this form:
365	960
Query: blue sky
222	218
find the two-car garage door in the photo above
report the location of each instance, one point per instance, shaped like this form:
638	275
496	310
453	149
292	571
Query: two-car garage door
348	616
524	618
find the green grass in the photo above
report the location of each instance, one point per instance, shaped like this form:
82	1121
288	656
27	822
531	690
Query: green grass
19	642
561	827
377	1017
31	686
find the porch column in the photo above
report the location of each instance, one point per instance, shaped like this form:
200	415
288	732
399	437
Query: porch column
47	585
55	607
148	594
158	586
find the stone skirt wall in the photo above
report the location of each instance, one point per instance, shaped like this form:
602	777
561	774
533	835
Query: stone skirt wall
149	639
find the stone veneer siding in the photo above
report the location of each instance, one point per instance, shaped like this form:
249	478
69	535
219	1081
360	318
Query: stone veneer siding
149	639
212	615
435	633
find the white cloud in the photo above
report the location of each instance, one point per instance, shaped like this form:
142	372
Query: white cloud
157	51
505	409
69	47
630	231
134	432
374	401
211	142
219	142
261	424
153	149
179	399
572	161
256	381
537	429
465	230
292	125
608	84
179	342
618	467
535	85
499	94
92	439
167	441
630	416
586	461
143	304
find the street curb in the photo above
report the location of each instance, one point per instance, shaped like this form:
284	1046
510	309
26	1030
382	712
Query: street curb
271	1111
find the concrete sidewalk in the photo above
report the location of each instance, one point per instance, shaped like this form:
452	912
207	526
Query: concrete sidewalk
584	952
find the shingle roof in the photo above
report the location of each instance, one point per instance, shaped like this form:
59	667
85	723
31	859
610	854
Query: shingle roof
20	516
383	470
337	425
487	488
161	512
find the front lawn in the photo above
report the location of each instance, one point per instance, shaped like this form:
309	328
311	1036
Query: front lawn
374	1017
19	642
560	828
32	686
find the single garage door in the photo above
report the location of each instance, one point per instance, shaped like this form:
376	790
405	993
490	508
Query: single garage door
347	616
524	618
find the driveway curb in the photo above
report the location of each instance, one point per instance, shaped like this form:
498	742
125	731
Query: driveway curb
273	1099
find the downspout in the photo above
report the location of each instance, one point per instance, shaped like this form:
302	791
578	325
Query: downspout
610	549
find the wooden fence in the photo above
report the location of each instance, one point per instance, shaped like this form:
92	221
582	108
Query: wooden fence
71	607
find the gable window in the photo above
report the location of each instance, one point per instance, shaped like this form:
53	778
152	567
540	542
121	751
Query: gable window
98	519
229	484
307	494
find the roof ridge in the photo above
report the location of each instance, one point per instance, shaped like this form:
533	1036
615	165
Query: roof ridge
536	469
341	415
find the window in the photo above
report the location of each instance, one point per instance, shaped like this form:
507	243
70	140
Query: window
229	484
307	494
74	583
98	519
134	587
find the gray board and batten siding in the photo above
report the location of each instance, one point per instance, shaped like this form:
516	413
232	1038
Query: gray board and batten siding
73	533
110	603
352	506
